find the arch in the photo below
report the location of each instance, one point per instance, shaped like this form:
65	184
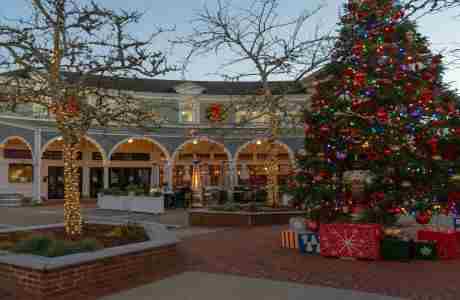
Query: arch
285	146
96	144
144	138
200	139
17	137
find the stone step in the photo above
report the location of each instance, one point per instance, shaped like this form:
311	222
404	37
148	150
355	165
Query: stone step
10	200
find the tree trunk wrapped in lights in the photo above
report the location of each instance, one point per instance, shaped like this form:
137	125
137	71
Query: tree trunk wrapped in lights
53	57
272	163
72	210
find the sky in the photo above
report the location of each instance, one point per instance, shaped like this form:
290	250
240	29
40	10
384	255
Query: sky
441	29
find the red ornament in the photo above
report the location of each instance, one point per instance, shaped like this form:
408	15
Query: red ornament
387	151
426	96
428	76
436	59
382	115
398	15
422	218
358	49
349	72
312	225
306	128
325	129
433	142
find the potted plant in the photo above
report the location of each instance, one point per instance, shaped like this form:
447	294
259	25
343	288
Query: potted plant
132	189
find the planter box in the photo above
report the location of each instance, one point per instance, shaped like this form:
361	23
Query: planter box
89	275
205	217
132	203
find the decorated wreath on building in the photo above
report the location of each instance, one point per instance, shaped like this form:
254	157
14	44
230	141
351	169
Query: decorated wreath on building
216	113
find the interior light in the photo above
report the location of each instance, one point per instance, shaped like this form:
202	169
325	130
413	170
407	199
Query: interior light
130	141
258	142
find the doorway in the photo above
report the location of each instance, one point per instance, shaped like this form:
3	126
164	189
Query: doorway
96	177
56	182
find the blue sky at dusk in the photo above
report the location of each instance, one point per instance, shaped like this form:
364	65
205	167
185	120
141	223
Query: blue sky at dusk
441	29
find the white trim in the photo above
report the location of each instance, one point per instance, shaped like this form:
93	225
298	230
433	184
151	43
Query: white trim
200	139
22	140
144	138
285	146
93	141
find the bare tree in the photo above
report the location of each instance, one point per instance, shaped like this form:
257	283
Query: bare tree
268	46
265	44
68	58
420	8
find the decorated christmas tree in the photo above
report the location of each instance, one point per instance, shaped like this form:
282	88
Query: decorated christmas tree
382	132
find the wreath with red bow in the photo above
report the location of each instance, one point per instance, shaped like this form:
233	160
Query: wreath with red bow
215	113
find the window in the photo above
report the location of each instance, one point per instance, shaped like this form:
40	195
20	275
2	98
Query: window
186	112
96	156
17	154
39	111
57	155
121	156
20	173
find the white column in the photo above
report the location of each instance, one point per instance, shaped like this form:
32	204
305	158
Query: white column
86	181
233	178
155	176
37	166
106	177
169	174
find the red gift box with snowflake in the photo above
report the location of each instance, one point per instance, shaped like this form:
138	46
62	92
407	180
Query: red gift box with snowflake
351	240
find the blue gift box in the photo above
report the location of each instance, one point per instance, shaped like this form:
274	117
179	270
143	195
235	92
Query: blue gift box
457	223
309	243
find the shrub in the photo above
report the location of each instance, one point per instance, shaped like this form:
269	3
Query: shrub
129	232
49	246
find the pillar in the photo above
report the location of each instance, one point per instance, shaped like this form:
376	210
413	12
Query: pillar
106	177
37	166
155	176
86	181
232	178
169	174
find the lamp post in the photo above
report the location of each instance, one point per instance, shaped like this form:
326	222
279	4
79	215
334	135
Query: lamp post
196	183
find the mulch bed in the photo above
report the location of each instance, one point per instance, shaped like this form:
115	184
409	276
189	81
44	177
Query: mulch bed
94	231
256	252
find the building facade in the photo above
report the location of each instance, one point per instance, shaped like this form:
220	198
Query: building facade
31	160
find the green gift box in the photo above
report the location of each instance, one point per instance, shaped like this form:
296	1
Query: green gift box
396	249
426	250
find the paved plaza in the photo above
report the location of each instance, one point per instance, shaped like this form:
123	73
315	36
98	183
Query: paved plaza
248	263
206	286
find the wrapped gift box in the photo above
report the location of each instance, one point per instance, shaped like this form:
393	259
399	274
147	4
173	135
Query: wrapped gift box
446	242
309	243
426	250
396	249
289	239
351	240
457	223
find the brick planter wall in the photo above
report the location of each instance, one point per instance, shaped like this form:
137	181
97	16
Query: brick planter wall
88	280
87	275
219	218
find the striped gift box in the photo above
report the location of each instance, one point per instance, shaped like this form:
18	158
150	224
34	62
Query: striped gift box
289	239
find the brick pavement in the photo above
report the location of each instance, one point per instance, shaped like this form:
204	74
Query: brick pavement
256	252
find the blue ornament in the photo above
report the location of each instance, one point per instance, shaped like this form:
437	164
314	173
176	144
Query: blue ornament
416	113
341	155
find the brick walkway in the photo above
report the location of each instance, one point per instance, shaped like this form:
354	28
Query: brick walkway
256	253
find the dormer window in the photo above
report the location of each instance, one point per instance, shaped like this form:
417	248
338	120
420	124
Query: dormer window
187	112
